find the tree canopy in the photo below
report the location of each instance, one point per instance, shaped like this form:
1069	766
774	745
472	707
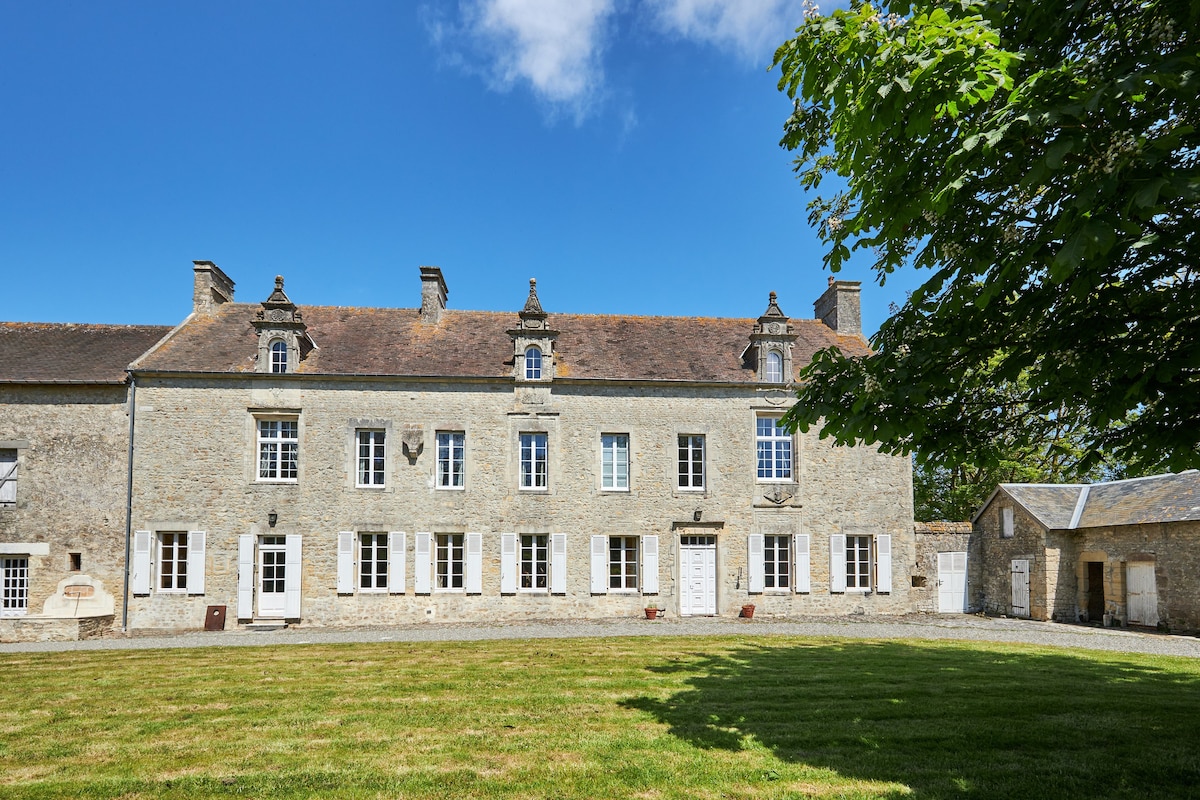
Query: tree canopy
1041	158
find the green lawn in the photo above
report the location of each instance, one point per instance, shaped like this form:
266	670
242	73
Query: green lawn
601	718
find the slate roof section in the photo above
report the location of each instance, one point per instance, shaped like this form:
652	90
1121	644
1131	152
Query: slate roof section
476	344
1137	501
45	352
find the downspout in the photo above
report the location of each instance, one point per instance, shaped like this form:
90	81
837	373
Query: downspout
129	502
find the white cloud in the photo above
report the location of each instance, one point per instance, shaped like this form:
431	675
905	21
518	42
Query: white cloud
554	46
751	29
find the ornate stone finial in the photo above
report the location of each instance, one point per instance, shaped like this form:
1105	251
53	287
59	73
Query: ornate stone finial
773	310
533	306
279	283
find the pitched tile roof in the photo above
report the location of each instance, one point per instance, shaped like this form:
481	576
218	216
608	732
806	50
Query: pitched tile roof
1159	498
476	344
42	352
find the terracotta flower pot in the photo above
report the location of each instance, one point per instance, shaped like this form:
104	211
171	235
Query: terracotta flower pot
651	613
748	611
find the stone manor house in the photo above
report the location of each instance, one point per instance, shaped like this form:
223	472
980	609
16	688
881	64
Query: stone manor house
345	466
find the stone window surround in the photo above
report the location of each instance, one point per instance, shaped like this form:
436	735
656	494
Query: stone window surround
783	556
168	569
539	547
378	540
629	564
790	478
454	547
870	564
390	443
702	489
253	415
438	433
601	434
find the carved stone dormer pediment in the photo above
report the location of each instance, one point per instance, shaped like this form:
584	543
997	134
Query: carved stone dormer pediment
771	345
533	342
283	339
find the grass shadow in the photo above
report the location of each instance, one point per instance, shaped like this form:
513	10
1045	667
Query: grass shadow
948	720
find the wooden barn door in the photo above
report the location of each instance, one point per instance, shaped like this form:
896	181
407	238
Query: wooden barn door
1142	594
1020	587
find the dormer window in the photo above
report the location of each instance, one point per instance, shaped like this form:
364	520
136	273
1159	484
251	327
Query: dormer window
774	367
533	364
279	356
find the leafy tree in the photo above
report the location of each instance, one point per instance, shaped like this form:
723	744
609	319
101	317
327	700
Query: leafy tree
1042	159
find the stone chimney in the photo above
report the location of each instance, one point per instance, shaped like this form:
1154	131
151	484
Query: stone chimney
839	307
433	294
212	287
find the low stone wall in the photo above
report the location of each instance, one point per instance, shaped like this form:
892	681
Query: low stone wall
54	629
933	538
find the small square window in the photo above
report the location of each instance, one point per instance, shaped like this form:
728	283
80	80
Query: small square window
75	562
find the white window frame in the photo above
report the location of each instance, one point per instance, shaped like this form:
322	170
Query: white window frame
9	460
614	462
14	585
171	557
374	562
777	563
688	462
860	551
278	348
451	460
370	458
450	551
774	367
534	461
278	445
533	363
623	563
773	450
533	563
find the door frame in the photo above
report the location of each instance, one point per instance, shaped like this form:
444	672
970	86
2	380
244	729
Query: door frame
965	583
708	548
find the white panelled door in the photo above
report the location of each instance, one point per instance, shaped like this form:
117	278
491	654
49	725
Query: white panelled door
697	576
952	583
272	577
1020	587
1142	593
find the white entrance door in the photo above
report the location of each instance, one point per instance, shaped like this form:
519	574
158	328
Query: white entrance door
1142	593
1020	587
698	576
272	576
952	583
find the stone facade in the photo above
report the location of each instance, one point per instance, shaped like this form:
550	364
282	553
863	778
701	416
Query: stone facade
933	540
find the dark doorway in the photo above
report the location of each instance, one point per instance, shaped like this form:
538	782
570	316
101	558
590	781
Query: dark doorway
1095	591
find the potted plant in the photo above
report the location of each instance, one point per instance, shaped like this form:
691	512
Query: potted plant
651	612
748	611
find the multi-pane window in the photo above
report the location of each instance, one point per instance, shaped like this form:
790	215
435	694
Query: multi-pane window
614	461
858	562
8	477
535	561
774	447
449	564
451	447
371	458
172	561
533	363
533	460
373	561
14	585
272	566
278	449
622	562
279	356
776	562
691	462
774	367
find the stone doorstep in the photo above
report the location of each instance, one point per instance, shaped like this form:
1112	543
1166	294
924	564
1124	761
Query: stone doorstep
264	625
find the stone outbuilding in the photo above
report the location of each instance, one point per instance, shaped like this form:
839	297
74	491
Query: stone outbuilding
1122	552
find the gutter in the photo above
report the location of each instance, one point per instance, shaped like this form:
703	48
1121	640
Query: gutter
129	502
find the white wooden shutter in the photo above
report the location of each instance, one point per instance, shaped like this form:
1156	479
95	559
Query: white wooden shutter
474	576
837	563
8	477
345	562
803	563
197	540
756	570
397	547
140	580
558	563
883	563
649	565
245	602
508	563
422	569
599	564
291	577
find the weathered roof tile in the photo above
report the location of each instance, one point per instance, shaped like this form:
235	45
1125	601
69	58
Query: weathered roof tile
44	352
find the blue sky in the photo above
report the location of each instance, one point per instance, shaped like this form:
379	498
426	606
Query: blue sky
623	152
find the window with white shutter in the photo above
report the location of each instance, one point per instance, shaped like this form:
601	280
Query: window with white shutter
803	563
558	563
756	571
508	563
397	543
140	579
197	556
422	563
8	477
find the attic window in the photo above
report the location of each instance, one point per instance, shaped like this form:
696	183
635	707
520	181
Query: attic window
533	364
1006	522
774	367
279	356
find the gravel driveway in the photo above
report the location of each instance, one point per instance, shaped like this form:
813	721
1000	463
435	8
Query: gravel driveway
917	626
